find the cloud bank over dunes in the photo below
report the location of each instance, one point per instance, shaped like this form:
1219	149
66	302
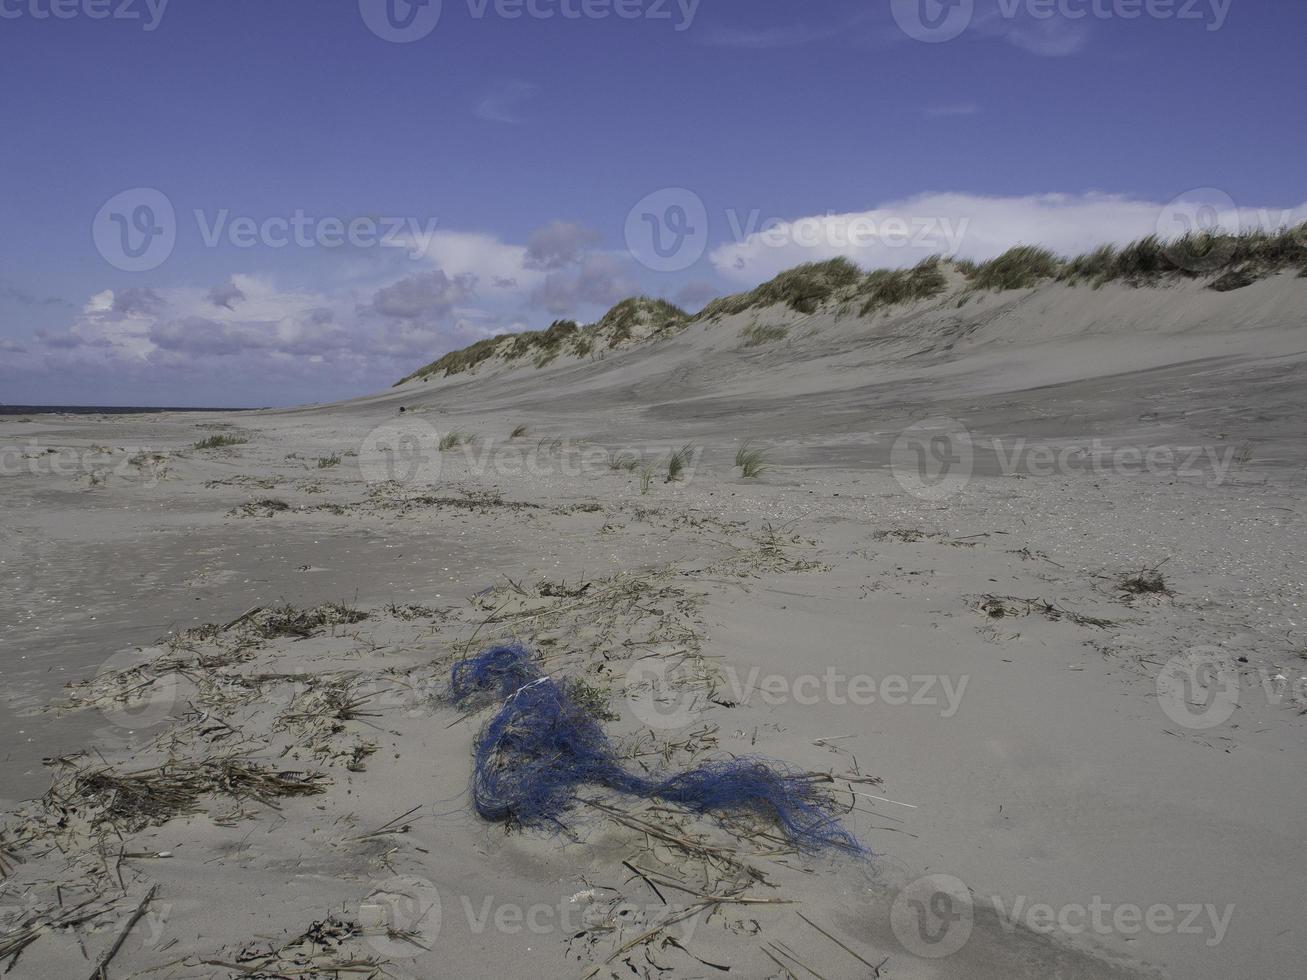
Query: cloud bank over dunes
365	322
901	233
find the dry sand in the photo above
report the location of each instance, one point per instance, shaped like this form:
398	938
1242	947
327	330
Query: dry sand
1016	755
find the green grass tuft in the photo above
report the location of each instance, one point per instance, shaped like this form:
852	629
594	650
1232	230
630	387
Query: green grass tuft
752	462
678	461
221	442
803	289
1017	268
758	335
1094	267
620	323
452	440
625	462
890	287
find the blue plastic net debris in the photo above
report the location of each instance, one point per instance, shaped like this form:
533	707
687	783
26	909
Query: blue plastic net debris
541	746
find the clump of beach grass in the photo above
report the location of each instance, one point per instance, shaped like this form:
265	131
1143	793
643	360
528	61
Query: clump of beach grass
891	287
657	315
803	289
133	801
646	481
302	623
327	462
221	442
519	432
1096	267
624	462
751	461
1149	581
453	440
263	507
758	335
678	461
591	699
1017	268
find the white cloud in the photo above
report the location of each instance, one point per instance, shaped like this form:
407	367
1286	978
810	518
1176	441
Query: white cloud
422	296
901	233
460	287
558	244
599	280
101	302
494	263
504	102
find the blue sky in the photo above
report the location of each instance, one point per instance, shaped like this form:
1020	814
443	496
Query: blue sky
499	160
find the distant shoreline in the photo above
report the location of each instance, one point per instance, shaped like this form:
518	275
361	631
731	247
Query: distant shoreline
105	409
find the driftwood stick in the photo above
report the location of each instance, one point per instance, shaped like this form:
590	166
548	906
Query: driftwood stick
135	917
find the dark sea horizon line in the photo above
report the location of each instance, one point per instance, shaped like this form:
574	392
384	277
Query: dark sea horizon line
109	409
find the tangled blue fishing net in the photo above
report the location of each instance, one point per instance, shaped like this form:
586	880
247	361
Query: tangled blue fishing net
540	746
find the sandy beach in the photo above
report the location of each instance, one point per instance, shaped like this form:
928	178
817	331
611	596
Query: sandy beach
1057	692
